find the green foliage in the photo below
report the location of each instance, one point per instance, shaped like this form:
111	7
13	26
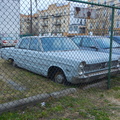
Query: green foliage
99	114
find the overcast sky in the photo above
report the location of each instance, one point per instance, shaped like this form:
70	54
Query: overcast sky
42	4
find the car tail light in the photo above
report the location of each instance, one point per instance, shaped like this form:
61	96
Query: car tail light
15	41
4	41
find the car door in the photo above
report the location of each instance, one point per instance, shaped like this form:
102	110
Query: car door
34	56
88	44
20	53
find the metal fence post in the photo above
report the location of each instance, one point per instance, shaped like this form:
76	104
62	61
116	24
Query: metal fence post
31	26
110	54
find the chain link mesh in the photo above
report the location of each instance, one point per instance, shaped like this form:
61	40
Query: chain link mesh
58	57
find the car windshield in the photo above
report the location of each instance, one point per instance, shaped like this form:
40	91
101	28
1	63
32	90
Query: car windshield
105	43
58	44
117	39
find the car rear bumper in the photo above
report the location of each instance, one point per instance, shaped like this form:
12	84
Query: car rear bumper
8	45
93	76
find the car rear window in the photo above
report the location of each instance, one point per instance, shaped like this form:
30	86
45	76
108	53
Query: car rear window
24	43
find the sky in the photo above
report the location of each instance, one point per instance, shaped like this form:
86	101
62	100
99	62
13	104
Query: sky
42	4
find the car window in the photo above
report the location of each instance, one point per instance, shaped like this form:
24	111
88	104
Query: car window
105	43
24	43
87	42
34	44
77	40
58	43
117	39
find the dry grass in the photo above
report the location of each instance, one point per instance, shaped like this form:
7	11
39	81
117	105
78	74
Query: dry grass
34	84
91	104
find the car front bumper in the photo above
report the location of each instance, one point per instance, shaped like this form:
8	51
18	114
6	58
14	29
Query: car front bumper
93	76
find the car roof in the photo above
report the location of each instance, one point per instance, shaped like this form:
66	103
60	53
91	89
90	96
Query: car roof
91	36
44	37
116	36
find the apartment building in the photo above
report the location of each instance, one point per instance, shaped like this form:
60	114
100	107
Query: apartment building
102	25
10	18
28	22
58	19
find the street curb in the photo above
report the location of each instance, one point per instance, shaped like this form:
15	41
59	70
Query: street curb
34	99
24	101
63	93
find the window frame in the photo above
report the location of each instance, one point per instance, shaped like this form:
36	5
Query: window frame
21	43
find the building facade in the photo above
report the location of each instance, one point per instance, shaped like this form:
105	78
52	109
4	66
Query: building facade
10	18
58	19
29	24
102	25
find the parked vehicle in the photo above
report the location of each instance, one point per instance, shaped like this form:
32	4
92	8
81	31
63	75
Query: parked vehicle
7	41
96	43
116	39
59	59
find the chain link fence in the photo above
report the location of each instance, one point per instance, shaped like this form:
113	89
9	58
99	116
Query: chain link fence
63	56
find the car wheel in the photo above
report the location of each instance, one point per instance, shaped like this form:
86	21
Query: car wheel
12	62
0	46
59	77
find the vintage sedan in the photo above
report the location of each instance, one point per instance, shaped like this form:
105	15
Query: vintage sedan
96	43
59	59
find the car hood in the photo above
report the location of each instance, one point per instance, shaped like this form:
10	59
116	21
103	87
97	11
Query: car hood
89	57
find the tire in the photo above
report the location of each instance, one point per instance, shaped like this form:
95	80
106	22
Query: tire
12	62
59	77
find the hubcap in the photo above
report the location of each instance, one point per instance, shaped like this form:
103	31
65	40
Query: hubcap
59	78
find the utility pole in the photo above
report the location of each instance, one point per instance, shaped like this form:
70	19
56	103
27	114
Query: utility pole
31	17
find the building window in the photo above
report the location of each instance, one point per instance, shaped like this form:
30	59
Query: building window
91	26
73	28
81	22
112	3
103	24
97	24
118	12
64	11
98	1
117	24
110	18
36	23
70	28
104	13
104	1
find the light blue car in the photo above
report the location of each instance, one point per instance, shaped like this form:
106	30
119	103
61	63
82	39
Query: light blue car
96	43
116	39
59	59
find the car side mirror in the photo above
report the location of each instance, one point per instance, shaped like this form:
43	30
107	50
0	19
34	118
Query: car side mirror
94	47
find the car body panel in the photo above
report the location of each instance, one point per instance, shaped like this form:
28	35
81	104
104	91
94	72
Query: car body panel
39	61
